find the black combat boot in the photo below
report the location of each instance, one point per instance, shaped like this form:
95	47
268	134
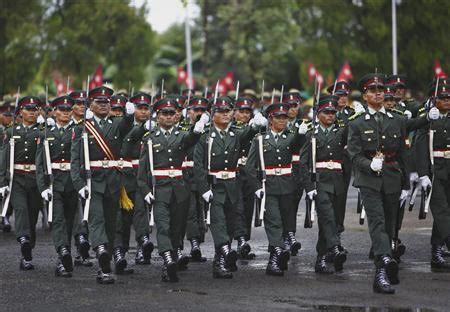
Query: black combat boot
139	257
104	275
147	247
65	258
169	269
339	258
230	256
321	265
6	225
294	246
181	260
283	257
26	265
79	261
243	249
25	248
398	249
391	267
381	282
438	263
273	267
445	253
83	246
61	271
219	268
120	262
196	253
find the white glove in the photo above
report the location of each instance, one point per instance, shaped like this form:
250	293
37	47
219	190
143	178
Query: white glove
4	190
259	193
199	126
425	182
40	120
204	119
89	114
149	124
130	108
50	122
84	192
311	114
312	194
149	198
376	164
403	195
358	107
433	114
303	128
408	114
259	120
413	177
208	196
47	195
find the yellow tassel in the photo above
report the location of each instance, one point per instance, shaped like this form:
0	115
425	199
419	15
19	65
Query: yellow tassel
125	202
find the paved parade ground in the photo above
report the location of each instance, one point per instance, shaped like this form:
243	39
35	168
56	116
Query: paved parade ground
249	290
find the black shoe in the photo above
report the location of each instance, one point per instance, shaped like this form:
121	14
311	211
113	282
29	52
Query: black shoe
65	258
104	259
120	263
25	248
26	265
398	250
79	261
139	258
6	225
445	253
196	253
243	248
219	267
294	246
381	282
391	268
283	257
321	265
83	246
230	257
273	267
60	271
147	247
105	278
339	258
438	263
181	260
169	270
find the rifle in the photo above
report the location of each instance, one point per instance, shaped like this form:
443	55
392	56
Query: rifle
212	178
311	204
237	91
429	191
87	164
12	143
152	180
48	166
260	204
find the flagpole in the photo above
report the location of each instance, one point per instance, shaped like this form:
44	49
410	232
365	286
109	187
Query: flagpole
187	35
394	37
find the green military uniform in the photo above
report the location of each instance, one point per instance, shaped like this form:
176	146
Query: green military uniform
105	179
25	197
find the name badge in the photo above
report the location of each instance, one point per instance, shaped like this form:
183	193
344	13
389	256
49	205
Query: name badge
156	145
368	131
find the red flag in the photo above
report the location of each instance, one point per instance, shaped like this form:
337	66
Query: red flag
97	78
181	75
346	73
228	80
223	88
61	87
190	82
438	72
311	73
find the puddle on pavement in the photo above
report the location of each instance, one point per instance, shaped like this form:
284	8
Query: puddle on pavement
181	290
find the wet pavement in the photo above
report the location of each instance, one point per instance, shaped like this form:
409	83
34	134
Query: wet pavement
249	290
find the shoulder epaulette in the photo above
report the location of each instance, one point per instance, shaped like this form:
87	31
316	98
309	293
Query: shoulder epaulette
394	110
355	115
421	110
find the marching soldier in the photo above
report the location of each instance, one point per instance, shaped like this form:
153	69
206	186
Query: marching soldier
25	197
66	217
105	141
169	194
215	162
331	187
377	149
137	215
6	122
79	105
118	105
278	145
435	177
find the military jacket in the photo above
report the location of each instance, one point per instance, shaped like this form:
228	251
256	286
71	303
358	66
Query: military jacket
365	139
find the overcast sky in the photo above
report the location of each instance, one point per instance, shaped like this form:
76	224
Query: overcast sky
164	13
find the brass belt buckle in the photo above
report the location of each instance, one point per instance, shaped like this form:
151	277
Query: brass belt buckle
171	173
120	163
446	154
62	166
224	175
330	165
277	171
26	167
105	163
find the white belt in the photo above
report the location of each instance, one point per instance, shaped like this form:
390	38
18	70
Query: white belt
442	154
25	167
224	175
135	162
295	158
63	166
171	173
331	165
242	161
111	164
278	171
187	164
